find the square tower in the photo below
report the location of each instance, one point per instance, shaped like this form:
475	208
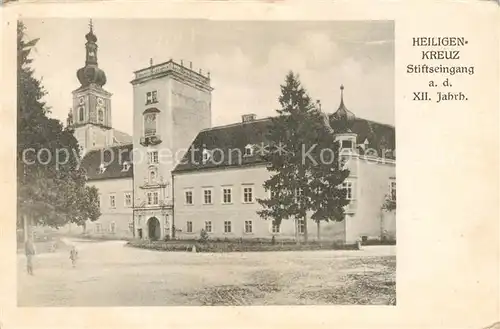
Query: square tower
172	104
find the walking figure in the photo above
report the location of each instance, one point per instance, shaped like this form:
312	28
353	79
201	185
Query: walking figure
73	255
29	249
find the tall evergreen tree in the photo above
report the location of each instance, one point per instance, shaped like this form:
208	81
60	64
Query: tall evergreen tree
51	186
300	182
329	198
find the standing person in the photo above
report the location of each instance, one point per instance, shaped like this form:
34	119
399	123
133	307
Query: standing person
73	255
29	249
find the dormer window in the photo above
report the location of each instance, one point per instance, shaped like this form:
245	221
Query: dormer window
151	97
102	168
248	150
206	155
126	166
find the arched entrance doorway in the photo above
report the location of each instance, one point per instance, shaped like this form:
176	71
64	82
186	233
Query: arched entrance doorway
154	231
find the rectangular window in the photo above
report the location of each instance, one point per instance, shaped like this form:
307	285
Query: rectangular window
112	201
207	196
275	228
248	226
189	197
151	97
393	191
98	227
226	195
227	226
189	227
128	199
347	186
302	226
152	198
247	194
347	145
153	157
208	226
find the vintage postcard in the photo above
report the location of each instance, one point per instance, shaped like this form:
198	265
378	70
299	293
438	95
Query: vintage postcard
250	165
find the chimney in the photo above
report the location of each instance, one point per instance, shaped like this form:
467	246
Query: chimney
248	117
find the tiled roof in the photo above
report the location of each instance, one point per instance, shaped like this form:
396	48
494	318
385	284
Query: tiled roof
226	139
121	137
113	158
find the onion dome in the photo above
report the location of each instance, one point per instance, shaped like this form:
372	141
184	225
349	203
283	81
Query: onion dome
88	75
91	37
91	73
343	117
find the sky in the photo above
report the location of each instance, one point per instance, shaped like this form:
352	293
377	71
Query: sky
247	61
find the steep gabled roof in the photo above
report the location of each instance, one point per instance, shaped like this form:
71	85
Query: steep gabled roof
113	158
226	140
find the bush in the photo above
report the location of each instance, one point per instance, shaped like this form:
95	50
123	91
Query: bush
385	241
204	236
235	246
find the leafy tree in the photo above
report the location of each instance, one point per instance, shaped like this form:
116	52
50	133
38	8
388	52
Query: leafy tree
51	186
389	204
300	181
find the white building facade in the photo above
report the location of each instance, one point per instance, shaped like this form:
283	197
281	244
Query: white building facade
166	181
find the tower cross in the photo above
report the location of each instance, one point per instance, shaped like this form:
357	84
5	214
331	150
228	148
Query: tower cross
91	25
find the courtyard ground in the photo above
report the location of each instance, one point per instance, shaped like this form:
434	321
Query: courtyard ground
110	274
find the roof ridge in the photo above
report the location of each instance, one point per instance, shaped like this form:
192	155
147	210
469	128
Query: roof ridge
235	124
109	147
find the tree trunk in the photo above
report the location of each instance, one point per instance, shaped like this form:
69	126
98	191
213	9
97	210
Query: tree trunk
25	227
319	232
84	227
297	235
306	233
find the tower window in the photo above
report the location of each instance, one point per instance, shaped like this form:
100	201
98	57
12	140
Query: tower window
150	124
101	116
152	176
152	198
151	97
81	114
153	157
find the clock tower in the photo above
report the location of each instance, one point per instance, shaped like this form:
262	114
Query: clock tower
91	111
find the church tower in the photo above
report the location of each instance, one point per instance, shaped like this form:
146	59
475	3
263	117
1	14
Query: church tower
91	111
